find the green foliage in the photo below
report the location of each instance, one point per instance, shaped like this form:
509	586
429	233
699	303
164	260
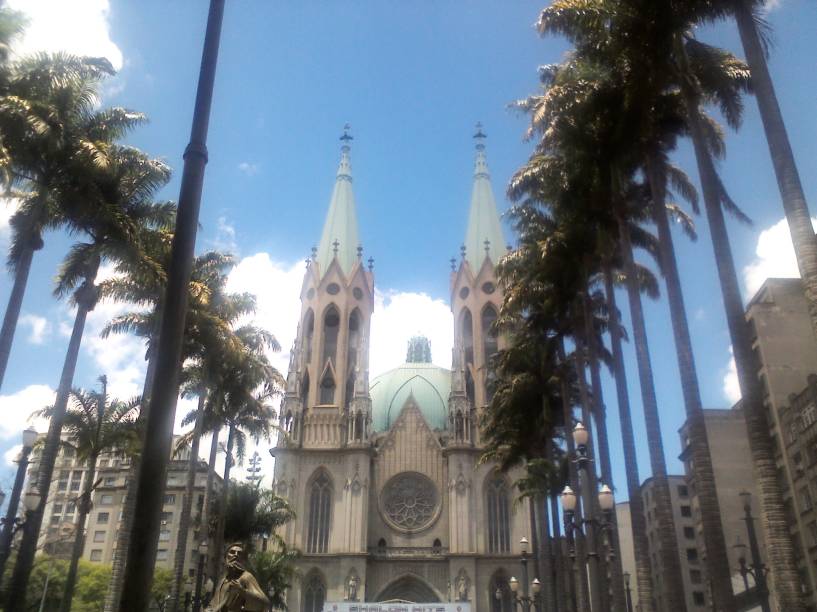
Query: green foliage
162	582
253	512
275	571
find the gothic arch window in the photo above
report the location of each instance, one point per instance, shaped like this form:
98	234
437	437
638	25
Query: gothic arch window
359	426
331	329
489	346
327	390
467	333
469	387
499	515
320	509
305	392
309	333
499	593
354	339
314	593
349	392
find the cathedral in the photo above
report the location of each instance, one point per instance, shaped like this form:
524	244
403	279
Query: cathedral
392	501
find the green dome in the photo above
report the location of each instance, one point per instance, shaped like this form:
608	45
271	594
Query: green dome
429	384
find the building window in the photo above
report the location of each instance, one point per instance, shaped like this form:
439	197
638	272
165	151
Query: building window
70	507
489	347
309	332
99	536
686	511
106	499
161	554
110	481
170	499
698	598
683	491
55	519
689	533
96	555
164	535
499	523
166	518
57	508
320	506
327	388
692	555
314	594
499	593
102	518
695	576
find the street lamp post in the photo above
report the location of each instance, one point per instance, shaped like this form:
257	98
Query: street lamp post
203	546
757	569
526	601
588	525
628	593
10	521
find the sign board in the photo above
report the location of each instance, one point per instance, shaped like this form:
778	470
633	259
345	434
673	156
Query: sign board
350	606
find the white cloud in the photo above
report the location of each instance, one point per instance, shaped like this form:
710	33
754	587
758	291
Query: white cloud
225	236
12	454
771	5
40	327
731	386
397	317
8	206
16	409
79	27
248	168
774	257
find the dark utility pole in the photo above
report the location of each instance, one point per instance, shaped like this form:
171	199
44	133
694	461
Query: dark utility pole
159	427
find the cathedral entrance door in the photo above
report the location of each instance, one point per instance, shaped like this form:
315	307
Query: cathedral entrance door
409	589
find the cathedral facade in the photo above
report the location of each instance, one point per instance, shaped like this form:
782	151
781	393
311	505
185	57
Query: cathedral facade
384	475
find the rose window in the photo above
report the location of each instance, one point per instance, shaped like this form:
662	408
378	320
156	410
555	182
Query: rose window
409	501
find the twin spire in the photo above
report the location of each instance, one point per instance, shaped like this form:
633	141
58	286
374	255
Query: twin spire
340	239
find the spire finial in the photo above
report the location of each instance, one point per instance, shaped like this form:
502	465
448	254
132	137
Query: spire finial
335	246
487	244
371	264
462	251
314	253
480	137
360	251
453	261
346	138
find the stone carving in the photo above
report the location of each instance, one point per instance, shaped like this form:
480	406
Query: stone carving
462	585
410	501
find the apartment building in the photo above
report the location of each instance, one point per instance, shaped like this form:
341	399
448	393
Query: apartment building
786	355
734	474
689	551
104	520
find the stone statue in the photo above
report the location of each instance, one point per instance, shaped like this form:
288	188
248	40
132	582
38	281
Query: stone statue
462	587
353	588
238	590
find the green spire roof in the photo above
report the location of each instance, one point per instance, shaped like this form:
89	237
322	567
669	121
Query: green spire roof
483	218
340	238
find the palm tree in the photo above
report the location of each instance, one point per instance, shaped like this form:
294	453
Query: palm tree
125	188
93	424
50	129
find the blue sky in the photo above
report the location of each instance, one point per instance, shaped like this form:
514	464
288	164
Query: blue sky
412	79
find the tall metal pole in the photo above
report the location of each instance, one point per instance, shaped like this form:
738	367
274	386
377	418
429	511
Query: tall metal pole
159	426
199	583
9	522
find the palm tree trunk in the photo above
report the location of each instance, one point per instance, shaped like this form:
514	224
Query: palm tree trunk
600	418
208	509
86	297
589	489
187	505
120	553
779	546
535	541
84	508
12	315
218	543
563	597
639	525
703	474
576	549
785	167
545	552
670	561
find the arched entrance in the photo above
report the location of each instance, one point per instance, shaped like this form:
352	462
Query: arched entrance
410	589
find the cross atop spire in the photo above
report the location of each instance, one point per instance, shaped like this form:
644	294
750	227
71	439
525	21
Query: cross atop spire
480	137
